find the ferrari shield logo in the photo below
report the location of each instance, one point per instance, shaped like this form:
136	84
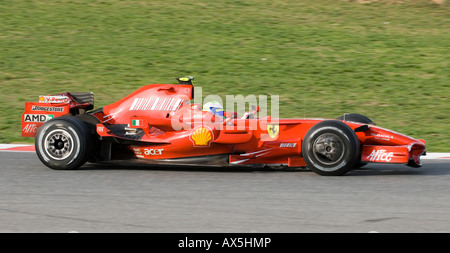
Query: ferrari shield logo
273	130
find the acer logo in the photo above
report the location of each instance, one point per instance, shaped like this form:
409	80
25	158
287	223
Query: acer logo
153	151
380	155
30	128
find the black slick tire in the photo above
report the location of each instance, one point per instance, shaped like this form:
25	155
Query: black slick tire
331	148
63	143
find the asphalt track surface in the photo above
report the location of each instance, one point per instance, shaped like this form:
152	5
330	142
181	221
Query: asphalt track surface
109	198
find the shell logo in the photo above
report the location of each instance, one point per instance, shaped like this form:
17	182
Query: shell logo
201	136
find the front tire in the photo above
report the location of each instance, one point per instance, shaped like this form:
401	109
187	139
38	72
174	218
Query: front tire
331	148
63	143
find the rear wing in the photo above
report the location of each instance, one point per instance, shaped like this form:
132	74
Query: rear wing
49	107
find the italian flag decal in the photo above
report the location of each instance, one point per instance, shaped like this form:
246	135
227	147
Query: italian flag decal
137	122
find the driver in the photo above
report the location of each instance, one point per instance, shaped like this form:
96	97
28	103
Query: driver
215	108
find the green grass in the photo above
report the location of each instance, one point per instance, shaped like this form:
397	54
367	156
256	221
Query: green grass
388	61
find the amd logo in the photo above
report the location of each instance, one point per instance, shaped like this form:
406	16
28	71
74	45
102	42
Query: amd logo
37	117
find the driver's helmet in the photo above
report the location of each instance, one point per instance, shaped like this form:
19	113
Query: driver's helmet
215	107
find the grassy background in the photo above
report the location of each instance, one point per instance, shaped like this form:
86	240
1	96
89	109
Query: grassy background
386	60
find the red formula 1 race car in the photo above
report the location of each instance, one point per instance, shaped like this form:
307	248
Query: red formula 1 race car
157	124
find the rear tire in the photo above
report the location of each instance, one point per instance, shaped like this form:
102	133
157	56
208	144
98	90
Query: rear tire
63	143
331	148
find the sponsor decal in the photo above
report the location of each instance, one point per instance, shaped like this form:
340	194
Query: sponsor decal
382	136
288	145
148	151
153	151
37	117
156	104
380	155
100	129
273	130
54	99
30	128
201	136
47	109
137	151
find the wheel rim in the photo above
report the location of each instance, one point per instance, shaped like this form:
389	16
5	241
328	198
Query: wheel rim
328	149
58	144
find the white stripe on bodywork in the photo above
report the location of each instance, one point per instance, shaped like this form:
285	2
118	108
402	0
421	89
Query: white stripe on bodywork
177	103
160	104
265	153
256	152
166	101
138	106
144	102
134	103
241	161
172	101
157	104
150	103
